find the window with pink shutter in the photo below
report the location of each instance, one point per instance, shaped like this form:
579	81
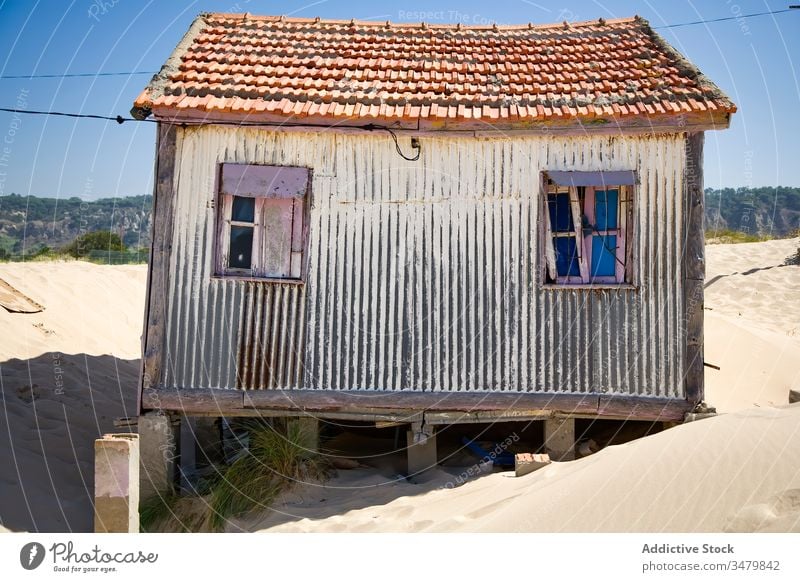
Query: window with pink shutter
587	223
262	221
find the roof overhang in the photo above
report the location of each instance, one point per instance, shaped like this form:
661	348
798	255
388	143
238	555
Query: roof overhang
631	124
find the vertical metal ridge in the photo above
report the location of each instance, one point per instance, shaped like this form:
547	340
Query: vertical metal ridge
425	276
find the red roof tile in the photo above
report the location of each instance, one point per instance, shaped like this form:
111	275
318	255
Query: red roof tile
342	70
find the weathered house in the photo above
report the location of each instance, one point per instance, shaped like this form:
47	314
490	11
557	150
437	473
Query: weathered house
427	224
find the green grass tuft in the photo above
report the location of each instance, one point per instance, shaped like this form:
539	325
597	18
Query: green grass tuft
728	236
277	458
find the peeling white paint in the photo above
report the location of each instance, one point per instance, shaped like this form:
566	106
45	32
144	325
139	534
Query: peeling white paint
423	275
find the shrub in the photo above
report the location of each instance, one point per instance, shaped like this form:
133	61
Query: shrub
278	457
101	240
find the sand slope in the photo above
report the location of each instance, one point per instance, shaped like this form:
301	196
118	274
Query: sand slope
65	374
752	324
735	472
88	309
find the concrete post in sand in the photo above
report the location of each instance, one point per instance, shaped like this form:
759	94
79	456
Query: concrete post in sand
158	443
421	451
559	438
116	483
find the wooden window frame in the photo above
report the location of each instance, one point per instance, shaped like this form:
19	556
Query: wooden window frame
298	253
624	272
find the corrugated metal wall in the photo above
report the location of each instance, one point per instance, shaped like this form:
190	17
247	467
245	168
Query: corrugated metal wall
423	275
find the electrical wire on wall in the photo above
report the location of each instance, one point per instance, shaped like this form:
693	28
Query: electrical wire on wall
415	145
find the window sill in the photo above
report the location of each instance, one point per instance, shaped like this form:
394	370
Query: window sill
243	277
590	287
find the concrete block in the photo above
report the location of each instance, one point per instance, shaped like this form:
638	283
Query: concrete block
158	453
421	450
525	463
116	483
559	438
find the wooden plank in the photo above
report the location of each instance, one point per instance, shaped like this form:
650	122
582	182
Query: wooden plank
641	408
275	254
216	401
441	401
634	124
694	269
15	301
160	251
405	407
255	181
490	416
546	251
694	352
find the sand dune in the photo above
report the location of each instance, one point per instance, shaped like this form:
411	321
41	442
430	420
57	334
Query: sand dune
68	371
88	309
735	472
752	324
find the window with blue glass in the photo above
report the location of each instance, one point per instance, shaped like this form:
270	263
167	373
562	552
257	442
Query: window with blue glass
587	235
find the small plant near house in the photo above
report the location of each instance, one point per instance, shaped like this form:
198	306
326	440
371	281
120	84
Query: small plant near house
794	258
276	459
728	236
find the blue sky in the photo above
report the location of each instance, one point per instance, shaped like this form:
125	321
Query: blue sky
754	60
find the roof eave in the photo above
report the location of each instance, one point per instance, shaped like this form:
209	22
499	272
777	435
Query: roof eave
690	69
629	124
142	107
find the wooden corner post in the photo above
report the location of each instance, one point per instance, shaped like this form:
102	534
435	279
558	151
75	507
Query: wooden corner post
160	250
694	268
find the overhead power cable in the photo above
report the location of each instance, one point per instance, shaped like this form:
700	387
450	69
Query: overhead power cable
791	8
723	19
72	75
120	120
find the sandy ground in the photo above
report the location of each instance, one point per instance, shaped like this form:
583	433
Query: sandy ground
752	324
68	371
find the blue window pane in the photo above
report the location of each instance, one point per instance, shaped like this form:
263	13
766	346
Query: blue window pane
244	209
606	203
241	248
560	213
566	257
604	262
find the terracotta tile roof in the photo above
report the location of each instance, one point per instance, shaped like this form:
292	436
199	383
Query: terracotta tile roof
248	66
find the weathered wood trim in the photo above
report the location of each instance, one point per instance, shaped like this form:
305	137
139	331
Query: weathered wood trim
160	251
220	402
638	408
396	405
694	268
444	401
633	124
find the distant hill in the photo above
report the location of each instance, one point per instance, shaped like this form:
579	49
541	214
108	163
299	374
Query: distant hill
54	222
766	212
763	212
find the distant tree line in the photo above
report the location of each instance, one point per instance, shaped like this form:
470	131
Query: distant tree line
33	227
756	213
115	230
